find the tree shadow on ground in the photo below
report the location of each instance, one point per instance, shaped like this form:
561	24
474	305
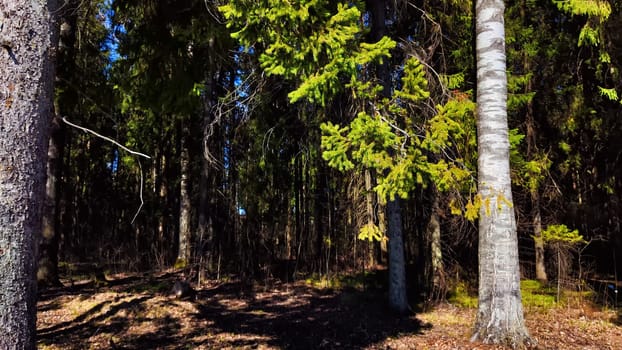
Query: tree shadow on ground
310	320
286	316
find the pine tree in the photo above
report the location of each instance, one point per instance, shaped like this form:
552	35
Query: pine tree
26	65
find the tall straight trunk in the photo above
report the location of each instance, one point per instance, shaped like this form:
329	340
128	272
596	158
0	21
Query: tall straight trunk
369	209
500	311
185	203
297	205
47	273
397	265
536	217
205	225
26	90
436	254
320	200
382	226
398	300
207	203
537	234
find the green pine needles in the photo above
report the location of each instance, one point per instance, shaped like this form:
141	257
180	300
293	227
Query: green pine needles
313	42
318	45
404	149
592	34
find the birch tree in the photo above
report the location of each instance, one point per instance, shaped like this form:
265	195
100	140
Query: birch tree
26	68
500	311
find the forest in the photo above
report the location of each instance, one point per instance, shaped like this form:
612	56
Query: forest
305	174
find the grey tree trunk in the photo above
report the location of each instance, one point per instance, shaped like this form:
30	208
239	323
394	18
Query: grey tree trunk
26	87
205	229
398	300
47	273
207	203
531	140
538	242
500	312
185	203
436	253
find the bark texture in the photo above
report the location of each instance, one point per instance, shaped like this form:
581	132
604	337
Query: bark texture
500	312
436	252
47	273
26	68
398	300
185	203
538	242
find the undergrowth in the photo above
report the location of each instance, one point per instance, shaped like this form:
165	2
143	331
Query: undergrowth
360	281
535	295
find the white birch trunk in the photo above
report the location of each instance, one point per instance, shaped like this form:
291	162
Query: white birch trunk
26	77
500	312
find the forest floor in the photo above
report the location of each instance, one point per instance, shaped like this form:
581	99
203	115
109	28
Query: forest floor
138	312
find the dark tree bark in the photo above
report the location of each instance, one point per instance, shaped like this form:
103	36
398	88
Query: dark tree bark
397	265
207	202
26	87
47	273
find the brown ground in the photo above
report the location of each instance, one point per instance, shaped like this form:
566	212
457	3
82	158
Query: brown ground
137	313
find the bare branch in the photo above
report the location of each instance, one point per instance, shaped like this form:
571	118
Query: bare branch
105	138
142	202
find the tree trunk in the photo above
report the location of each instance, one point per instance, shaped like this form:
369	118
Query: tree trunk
382	226
319	212
26	90
397	265
436	254
531	153
369	210
207	203
47	273
185	203
500	312
205	228
537	234
398	300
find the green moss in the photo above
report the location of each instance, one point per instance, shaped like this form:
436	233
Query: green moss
323	282
530	285
180	264
460	296
535	294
